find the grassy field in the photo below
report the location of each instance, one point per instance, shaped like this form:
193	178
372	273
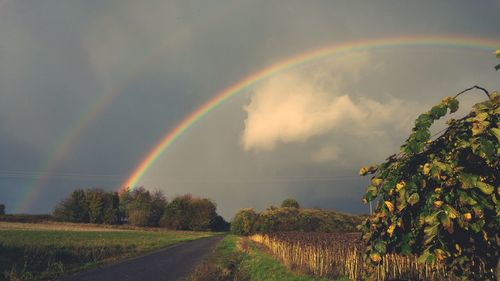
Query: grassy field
45	251
238	259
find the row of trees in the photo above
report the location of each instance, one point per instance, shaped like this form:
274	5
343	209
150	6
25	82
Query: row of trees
140	207
290	217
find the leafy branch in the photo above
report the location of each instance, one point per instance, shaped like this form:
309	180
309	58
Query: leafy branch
439	199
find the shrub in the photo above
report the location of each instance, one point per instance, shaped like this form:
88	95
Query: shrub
243	222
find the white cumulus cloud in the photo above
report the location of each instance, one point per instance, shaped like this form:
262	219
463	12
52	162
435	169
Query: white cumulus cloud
296	106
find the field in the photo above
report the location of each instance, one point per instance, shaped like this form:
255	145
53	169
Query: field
47	250
25	218
341	254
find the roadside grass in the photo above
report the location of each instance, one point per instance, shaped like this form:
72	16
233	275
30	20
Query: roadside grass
46	251
222	265
236	261
262	266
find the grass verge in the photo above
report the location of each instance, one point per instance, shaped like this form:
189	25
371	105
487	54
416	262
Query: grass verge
242	260
46	251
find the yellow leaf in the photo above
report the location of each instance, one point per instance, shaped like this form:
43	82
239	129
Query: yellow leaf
376	182
452	213
440	254
467	216
400	185
438	204
375	257
391	229
446	100
389	205
363	171
426	169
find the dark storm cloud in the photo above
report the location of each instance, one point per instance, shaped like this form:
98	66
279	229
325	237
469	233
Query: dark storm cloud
165	58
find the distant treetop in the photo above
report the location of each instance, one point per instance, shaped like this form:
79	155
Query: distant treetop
290	203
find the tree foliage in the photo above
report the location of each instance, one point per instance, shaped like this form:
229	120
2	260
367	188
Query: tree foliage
290	203
191	213
2	209
140	207
243	222
439	199
274	219
88	206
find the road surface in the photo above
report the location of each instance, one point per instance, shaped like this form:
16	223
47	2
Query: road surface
168	264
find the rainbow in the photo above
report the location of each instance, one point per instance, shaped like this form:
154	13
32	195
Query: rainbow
447	41
63	148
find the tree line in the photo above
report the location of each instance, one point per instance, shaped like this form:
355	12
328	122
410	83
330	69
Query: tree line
140	207
291	217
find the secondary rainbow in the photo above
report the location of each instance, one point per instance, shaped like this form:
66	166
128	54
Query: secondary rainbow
447	41
62	148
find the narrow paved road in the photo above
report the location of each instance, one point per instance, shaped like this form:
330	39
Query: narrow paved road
169	264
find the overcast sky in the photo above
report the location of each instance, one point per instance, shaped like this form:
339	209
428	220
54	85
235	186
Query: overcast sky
88	87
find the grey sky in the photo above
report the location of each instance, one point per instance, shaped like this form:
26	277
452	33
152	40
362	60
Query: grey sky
163	59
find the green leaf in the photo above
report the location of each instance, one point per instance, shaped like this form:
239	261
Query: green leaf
438	111
430	233
423	257
422	135
413	199
423	121
485	188
381	247
401	202
476	227
446	222
468	180
484	148
450	211
371	193
496	133
453	105
432	218
405	245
